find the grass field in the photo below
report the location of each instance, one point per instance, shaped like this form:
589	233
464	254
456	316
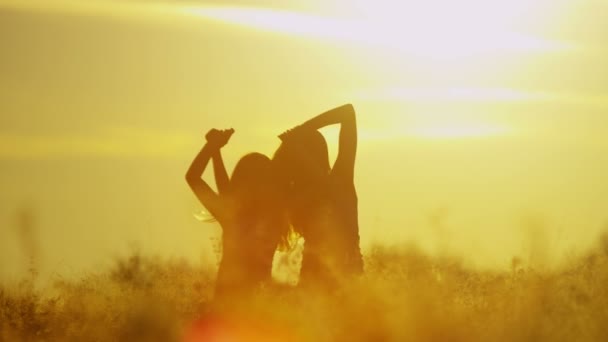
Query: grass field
404	296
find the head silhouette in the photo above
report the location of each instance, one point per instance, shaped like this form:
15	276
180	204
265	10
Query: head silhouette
253	187
258	204
249	175
303	158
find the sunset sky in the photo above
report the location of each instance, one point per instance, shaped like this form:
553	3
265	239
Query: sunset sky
483	124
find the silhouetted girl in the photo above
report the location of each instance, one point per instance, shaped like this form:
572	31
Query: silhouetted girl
323	200
249	209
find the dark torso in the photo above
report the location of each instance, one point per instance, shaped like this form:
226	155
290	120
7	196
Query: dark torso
331	233
247	254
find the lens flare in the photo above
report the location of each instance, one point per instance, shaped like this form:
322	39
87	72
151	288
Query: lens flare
224	328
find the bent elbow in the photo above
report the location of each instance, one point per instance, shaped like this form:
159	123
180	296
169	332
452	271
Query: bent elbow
349	113
348	110
190	178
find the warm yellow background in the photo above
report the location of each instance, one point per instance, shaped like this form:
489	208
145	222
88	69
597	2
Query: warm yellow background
482	123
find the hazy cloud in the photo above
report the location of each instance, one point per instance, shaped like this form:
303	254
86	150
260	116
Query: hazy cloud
119	141
477	95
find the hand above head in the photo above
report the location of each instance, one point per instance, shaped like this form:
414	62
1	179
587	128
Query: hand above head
218	138
291	132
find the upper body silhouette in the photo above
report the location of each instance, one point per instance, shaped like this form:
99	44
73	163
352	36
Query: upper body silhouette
249	209
322	200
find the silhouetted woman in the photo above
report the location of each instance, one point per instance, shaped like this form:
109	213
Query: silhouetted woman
322	199
250	211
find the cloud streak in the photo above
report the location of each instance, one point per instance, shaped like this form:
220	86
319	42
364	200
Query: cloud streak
434	37
477	95
417	38
117	142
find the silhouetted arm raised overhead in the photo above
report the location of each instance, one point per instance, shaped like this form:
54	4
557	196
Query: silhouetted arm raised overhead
344	167
205	194
219	171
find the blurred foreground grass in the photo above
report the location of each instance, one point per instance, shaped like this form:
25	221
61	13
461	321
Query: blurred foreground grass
405	295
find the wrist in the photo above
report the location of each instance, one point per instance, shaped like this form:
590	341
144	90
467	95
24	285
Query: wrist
211	147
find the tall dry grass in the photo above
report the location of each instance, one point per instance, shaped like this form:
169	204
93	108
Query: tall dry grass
404	295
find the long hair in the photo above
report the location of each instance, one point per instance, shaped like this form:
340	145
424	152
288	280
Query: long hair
302	153
256	194
250	174
302	160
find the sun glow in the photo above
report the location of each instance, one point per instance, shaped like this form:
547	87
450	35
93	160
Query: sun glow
436	31
435	38
452	131
451	94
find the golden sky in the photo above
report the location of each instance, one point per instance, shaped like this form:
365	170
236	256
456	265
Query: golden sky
482	123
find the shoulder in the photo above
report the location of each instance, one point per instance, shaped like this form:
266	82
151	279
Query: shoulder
340	178
227	216
342	188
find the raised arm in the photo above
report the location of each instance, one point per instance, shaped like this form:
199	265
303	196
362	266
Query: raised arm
344	167
219	171
205	194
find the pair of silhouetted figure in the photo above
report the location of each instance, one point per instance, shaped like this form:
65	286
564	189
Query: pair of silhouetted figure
264	198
